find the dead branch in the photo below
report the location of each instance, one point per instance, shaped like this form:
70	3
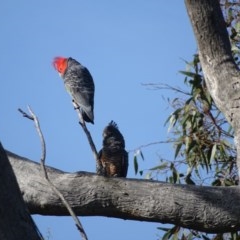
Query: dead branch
34	118
89	137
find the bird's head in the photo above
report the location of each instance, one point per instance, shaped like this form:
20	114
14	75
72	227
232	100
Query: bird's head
60	64
112	137
110	130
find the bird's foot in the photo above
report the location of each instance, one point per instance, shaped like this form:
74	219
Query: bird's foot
75	105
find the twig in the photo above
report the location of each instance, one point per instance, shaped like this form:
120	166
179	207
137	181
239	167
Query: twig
89	137
150	144
162	86
25	114
33	117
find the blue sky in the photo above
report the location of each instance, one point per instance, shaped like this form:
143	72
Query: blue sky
123	44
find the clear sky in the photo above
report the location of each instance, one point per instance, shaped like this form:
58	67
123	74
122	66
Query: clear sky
123	44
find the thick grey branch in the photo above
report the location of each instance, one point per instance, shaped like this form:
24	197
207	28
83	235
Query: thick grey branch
208	209
15	219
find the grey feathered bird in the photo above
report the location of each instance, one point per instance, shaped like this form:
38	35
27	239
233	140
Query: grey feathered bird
79	83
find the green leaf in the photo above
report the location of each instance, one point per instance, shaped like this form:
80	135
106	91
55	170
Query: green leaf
141	154
197	173
178	148
167	235
163	229
208	98
213	152
174	173
173	231
172	119
189	74
216	182
205	161
188	101
186	121
228	182
191	146
237	27
135	163
188	180
160	167
170	179
205	237
148	175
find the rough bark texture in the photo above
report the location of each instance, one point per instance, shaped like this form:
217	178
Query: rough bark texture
220	71
15	219
208	209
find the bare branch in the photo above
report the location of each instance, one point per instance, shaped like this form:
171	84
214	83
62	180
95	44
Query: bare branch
150	144
42	140
163	86
25	114
44	171
89	137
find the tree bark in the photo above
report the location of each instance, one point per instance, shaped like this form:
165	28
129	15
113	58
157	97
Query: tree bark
208	209
220	71
15	219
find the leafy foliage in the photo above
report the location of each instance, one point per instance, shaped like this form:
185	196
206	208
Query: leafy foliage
203	143
203	138
231	12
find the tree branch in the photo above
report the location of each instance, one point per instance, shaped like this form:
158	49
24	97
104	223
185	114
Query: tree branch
207	209
34	118
15	220
89	138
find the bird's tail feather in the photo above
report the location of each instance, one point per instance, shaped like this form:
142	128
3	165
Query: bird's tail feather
86	118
